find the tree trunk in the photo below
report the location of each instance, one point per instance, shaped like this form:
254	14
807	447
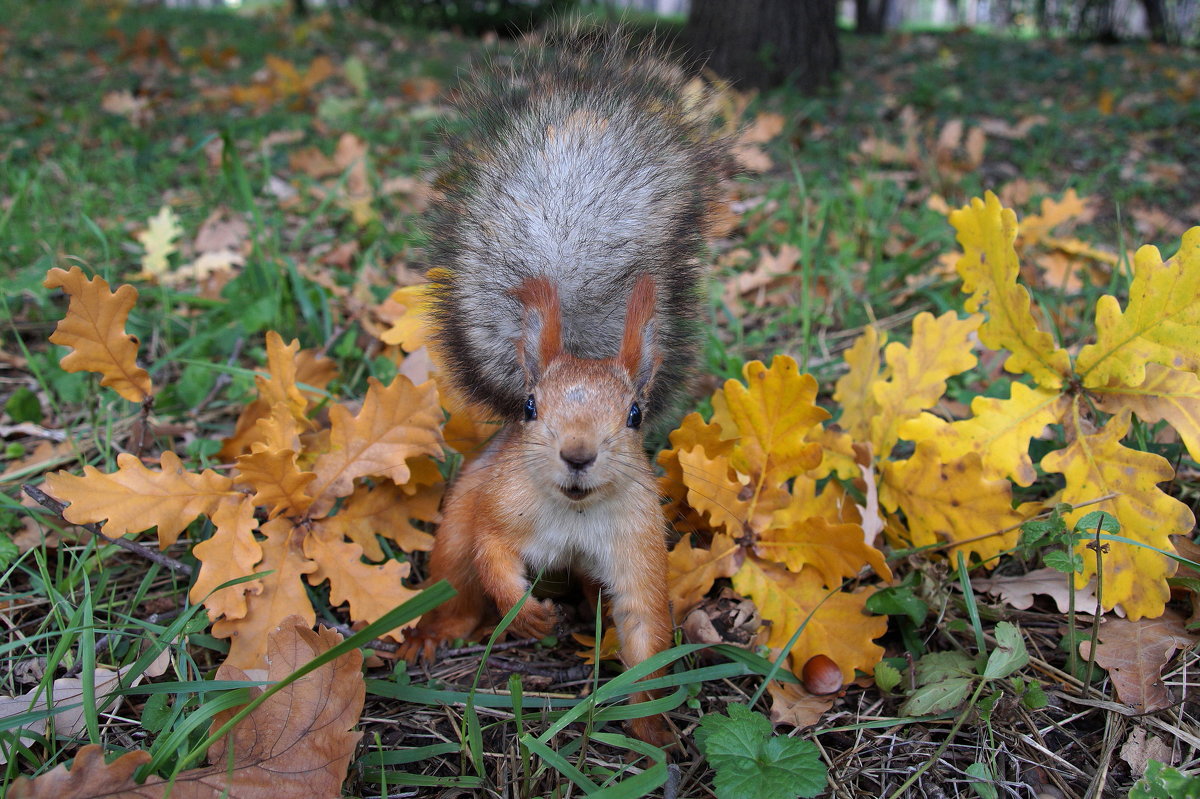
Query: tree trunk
764	43
870	16
1156	20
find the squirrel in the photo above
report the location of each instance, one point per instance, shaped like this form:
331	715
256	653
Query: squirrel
566	286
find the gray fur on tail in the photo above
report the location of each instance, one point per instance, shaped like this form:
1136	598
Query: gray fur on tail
580	162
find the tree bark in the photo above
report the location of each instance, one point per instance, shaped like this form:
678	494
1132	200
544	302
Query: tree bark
763	43
1156	20
870	16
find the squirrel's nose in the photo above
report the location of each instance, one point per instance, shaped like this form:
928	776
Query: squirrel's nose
577	457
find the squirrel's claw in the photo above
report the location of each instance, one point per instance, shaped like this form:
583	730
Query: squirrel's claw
537	619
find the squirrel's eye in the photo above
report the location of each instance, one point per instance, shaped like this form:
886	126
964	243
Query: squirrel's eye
530	409
634	419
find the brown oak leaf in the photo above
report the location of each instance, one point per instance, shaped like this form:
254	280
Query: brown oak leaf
94	328
1134	653
296	743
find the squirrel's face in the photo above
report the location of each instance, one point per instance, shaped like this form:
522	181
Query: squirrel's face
581	436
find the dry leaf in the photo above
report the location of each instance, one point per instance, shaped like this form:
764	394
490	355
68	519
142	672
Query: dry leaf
1134	654
796	707
159	242
394	424
94	327
297	743
134	498
1019	590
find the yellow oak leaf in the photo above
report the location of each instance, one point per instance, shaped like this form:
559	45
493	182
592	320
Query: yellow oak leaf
370	589
395	423
1037	227
1160	323
230	552
291	376
989	271
281	595
691	571
839	628
835	549
998	429
950	500
134	498
831	503
915	376
1095	465
158	241
408	332
692	432
1165	395
94	328
770	417
277	481
386	510
610	646
853	393
712	490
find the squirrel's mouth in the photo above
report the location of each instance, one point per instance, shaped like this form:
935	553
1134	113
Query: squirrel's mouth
575	492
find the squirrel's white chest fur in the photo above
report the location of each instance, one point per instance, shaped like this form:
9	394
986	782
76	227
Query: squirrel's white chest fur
564	535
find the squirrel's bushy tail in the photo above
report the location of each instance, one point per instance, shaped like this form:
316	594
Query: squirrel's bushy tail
583	160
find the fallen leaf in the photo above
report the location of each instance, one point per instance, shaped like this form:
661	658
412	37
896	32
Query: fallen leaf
296	743
94	328
134	498
158	239
395	423
1019	590
1134	652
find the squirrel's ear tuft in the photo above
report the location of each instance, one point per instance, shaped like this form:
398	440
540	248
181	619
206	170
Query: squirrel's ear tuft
639	353
540	341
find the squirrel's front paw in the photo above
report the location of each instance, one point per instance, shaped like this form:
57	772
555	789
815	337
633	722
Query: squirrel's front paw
536	619
419	645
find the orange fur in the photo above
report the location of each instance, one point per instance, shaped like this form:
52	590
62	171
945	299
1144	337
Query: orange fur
534	499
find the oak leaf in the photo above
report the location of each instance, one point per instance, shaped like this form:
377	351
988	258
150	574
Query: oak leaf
914	378
835	551
281	594
1165	395
713	490
989	270
770	417
395	423
386	510
371	590
1134	654
840	628
1160	323
692	432
296	743
1018	590
1036	227
408	331
999	430
278	482
134	498
158	240
296	380
94	328
946	501
230	552
794	706
854	393
691	572
1095	465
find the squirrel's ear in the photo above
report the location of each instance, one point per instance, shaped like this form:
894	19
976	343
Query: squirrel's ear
639	355
540	341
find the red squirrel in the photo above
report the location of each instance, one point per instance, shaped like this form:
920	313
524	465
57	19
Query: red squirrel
567	284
